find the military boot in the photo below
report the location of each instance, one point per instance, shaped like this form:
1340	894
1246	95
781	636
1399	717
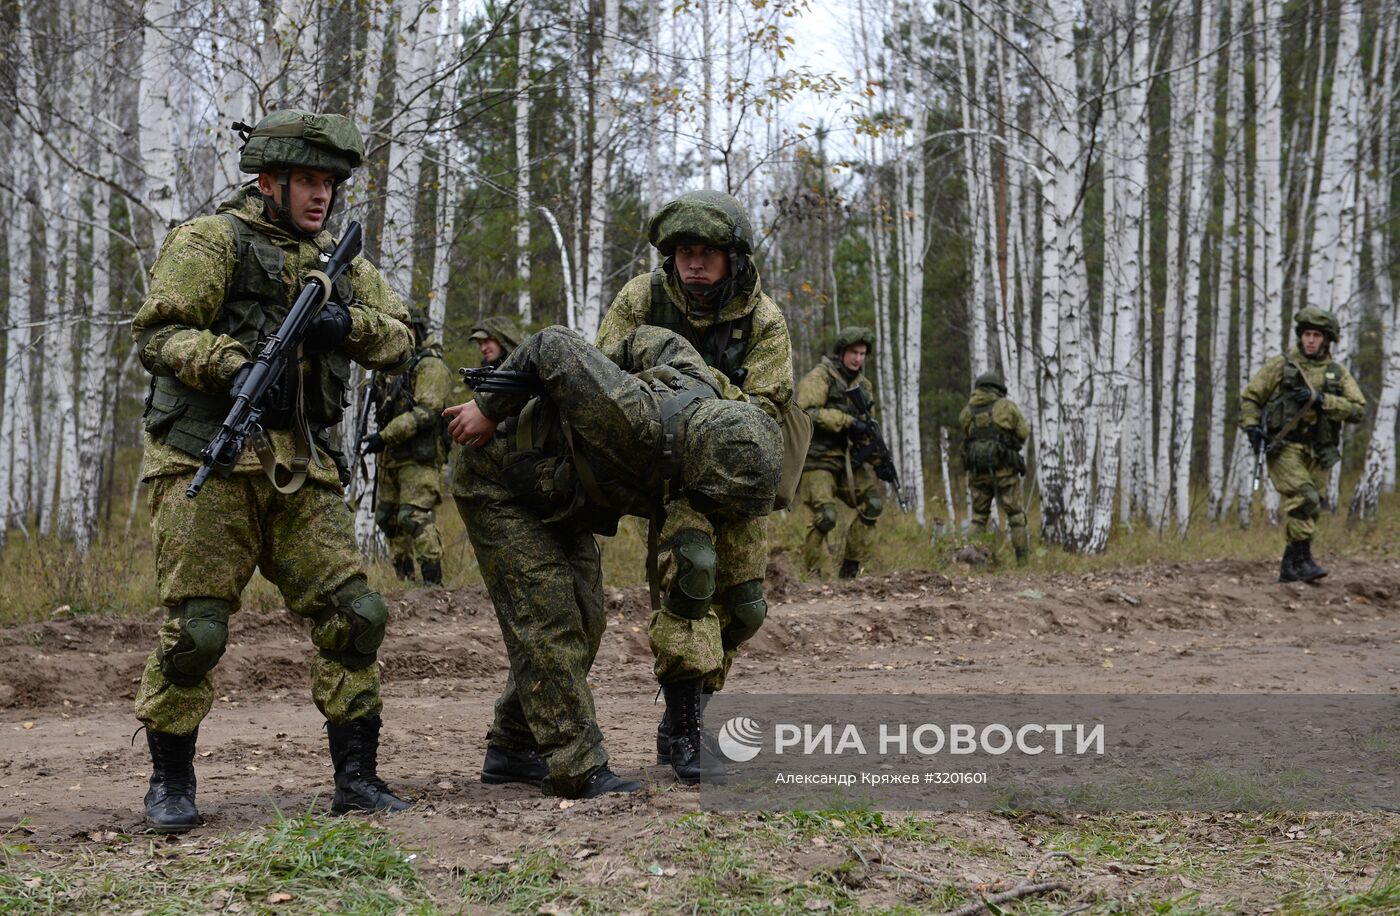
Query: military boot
1021	543
432	572
849	569
170	799
1288	566
503	765
691	755
403	568
663	732
1304	565
355	753
603	780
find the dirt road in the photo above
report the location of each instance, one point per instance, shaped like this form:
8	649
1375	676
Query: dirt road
68	768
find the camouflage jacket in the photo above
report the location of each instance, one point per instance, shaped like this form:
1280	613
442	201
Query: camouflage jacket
822	393
769	358
411	410
1347	405
189	282
1005	415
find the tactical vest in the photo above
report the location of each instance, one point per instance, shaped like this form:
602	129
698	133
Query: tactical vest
254	307
427	442
988	448
838	397
1323	435
723	345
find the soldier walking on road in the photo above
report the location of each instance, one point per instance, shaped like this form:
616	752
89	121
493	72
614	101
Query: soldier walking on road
219	287
994	433
837	396
633	431
1293	410
412	447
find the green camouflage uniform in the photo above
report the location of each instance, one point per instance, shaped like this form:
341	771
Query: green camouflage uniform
989	407
1298	465
829	473
208	547
410	467
685	648
563	467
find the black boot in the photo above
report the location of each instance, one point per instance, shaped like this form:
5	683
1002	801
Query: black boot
1287	567
849	569
170	799
1304	565
355	753
603	780
432	572
403	568
663	731
504	765
691	756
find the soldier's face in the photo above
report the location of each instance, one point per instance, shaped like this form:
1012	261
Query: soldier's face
490	350
701	265
311	196
1312	341
853	357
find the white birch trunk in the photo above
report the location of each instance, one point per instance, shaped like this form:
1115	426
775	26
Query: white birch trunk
159	54
602	91
1225	269
523	60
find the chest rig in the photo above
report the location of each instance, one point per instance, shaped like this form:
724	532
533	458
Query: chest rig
723	345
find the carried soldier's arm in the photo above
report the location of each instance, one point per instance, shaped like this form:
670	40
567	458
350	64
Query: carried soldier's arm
811	397
432	391
1257	393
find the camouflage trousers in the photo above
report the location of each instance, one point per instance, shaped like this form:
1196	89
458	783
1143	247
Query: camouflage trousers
547	586
1005	488
1300	480
687	649
403	510
819	491
208	548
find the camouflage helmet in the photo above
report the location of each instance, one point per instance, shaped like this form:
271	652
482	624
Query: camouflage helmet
991	379
732	458
500	329
1316	319
708	218
855	334
292	138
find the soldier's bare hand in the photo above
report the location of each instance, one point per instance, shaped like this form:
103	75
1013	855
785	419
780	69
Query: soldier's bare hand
468	426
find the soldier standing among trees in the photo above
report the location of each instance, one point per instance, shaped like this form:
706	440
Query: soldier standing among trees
708	291
837	396
221	284
412	448
1293	410
629	432
994	432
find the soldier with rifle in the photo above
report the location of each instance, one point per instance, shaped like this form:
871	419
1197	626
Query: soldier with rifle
252	319
1292	411
411	443
848	456
994	433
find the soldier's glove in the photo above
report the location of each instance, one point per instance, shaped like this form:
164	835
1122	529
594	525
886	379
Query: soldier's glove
885	472
1305	397
859	429
327	330
1257	439
374	444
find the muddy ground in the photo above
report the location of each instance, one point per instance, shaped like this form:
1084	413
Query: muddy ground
68	768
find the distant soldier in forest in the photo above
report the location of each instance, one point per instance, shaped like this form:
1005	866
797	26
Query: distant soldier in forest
411	444
219	287
994	433
1292	411
708	291
840	464
496	337
586	438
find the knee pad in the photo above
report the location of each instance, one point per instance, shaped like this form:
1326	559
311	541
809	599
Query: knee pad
1312	502
351	631
870	507
203	637
410	519
747	609
825	521
693	585
1016	520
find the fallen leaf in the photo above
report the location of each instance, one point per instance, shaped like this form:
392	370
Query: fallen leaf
280	897
816	903
29	725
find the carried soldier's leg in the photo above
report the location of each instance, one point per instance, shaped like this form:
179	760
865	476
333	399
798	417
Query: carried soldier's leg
818	492
200	588
860	536
386	516
1301	503
309	553
1009	496
984	488
420	490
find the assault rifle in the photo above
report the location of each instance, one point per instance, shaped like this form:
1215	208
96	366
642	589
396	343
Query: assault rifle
1263	447
503	381
876	447
248	402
